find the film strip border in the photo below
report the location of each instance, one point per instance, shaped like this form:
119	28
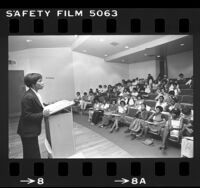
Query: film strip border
39	26
163	172
105	172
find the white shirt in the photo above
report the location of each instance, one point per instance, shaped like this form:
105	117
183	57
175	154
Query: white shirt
38	96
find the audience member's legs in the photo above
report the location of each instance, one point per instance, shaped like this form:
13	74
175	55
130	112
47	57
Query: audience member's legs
164	135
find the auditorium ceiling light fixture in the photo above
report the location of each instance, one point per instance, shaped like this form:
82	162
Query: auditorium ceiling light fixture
28	40
75	36
126	47
123	60
158	55
84	50
101	40
106	55
182	44
145	54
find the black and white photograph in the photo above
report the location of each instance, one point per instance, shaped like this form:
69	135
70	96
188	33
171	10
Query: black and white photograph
100	96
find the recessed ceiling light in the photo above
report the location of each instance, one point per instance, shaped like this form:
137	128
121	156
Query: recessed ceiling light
123	60
75	36
145	54
126	47
84	50
28	40
182	44
101	40
158	55
106	55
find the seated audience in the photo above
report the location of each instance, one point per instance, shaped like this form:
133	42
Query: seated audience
139	121
77	98
186	122
84	101
134	93
96	107
120	116
189	82
156	122
161	103
107	118
172	125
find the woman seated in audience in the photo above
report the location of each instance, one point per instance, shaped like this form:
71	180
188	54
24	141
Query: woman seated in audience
138	122
100	88
138	102
97	93
107	118
156	122
120	116
173	105
154	86
146	91
177	91
161	103
105	88
159	93
84	101
77	98
88	101
186	122
131	101
134	93
172	125
96	107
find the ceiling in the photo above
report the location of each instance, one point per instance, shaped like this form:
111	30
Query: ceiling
113	48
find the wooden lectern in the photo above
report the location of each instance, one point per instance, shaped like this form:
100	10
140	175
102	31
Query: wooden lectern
59	130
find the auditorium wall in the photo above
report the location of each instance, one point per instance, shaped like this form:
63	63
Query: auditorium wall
180	63
142	69
90	71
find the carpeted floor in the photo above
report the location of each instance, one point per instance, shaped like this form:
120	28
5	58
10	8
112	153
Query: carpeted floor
134	147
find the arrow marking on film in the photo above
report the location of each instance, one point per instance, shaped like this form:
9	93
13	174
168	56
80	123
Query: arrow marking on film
28	181
122	181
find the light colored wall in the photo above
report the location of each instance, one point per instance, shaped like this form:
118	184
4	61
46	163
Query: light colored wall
142	69
180	63
90	71
50	62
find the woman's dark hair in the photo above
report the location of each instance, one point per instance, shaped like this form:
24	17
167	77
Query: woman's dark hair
176	111
186	110
85	93
160	108
122	101
100	86
31	79
161	97
171	92
96	99
78	93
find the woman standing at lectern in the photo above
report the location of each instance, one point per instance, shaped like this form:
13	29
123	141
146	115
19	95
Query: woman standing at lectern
32	113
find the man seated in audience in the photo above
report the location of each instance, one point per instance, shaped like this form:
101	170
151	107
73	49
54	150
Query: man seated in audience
107	118
138	121
186	122
172	126
156	122
150	80
181	77
173	105
161	103
120	116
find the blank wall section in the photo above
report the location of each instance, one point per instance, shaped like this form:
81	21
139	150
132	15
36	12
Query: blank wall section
180	63
56	66
142	69
90	71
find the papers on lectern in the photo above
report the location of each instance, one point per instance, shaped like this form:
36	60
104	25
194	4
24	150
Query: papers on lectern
60	105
